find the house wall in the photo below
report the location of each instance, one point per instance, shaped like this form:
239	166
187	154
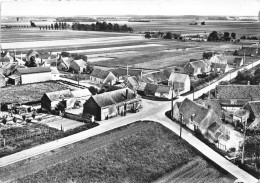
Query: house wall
45	103
108	112
34	78
110	79
251	114
2	81
91	107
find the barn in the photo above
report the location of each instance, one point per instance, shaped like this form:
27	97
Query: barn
34	74
110	104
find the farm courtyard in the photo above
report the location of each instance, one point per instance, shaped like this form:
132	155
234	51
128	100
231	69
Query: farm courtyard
141	152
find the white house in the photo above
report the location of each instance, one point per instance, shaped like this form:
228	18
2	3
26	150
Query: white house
180	82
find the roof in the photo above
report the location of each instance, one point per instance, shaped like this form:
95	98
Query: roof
238	91
114	87
4	59
241	112
80	63
213	104
123	72
248	51
189	108
214	127
198	64
177	77
58	95
155	77
141	86
237	60
81	93
113	97
133	81
33	70
218	59
218	65
255	107
98	73
13	76
67	61
32	52
150	89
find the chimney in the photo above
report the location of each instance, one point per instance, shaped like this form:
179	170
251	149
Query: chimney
126	93
248	83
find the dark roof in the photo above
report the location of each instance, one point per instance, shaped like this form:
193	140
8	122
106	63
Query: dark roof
214	127
95	72
141	86
80	63
32	70
213	104
113	97
189	108
132	82
150	89
255	107
123	72
198	64
238	91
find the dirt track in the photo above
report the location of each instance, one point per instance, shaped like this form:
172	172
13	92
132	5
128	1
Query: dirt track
32	165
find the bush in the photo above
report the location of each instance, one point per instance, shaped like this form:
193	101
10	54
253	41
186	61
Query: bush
14	119
4	121
147	35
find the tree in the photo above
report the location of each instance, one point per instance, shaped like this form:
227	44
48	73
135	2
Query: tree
52	26
14	119
168	35
233	35
223	83
40	27
226	36
147	35
243	37
213	36
76	56
207	55
252	148
203	23
93	90
65	54
31	62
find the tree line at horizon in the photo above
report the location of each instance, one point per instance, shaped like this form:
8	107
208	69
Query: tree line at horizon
56	26
102	26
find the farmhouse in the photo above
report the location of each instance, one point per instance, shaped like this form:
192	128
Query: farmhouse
205	121
249	51
160	77
180	82
254	113
237	95
160	91
34	74
193	68
99	76
220	59
110	104
220	68
78	66
120	73
238	62
64	63
67	98
132	83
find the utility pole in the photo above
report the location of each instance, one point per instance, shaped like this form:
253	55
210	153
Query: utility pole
172	104
243	149
126	75
181	124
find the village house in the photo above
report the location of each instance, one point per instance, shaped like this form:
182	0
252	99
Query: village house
33	74
238	62
121	73
110	104
67	98
236	96
220	59
180	82
64	63
132	82
141	87
193	68
204	120
159	91
254	113
101	77
219	68
78	66
160	77
248	51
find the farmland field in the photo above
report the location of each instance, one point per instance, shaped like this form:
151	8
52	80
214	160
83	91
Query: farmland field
28	92
141	152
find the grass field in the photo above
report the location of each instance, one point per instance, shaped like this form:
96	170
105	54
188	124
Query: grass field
28	92
144	156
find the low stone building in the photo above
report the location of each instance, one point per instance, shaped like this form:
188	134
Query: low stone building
159	91
113	103
101	77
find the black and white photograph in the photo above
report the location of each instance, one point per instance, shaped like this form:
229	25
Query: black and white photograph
129	91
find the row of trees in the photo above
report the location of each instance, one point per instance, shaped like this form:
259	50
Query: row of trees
167	35
245	76
102	26
215	36
249	37
56	26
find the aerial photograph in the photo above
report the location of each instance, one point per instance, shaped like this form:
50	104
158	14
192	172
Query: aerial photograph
130	91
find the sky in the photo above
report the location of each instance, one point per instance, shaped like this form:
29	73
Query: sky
134	7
